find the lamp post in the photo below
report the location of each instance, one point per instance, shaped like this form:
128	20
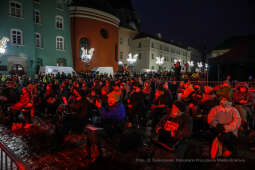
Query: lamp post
160	61
132	59
200	65
86	55
3	44
191	65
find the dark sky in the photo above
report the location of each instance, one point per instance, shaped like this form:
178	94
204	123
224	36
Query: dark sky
196	22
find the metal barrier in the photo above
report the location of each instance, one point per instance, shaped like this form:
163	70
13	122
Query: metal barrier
8	161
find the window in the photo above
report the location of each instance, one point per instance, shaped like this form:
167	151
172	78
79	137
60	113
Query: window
173	50
161	47
121	55
140	45
152	67
152	56
152	45
38	40
16	37
15	9
140	56
37	18
60	43
104	33
59	22
60	4
121	40
37	1
128	41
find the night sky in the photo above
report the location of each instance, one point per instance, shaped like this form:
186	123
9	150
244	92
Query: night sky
196	22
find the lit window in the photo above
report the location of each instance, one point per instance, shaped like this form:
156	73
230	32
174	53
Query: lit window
37	18
60	43
16	37
59	22
38	40
15	9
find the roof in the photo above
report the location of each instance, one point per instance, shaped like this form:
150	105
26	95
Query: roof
144	35
243	53
233	41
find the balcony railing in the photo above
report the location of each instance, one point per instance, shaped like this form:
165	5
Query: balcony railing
8	161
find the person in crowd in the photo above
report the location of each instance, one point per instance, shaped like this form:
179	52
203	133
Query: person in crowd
244	102
175	126
23	103
177	71
226	120
113	114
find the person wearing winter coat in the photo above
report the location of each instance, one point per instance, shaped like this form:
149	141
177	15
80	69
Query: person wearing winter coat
175	126
226	120
243	101
113	115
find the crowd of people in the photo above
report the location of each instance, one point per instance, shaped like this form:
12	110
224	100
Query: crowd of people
172	108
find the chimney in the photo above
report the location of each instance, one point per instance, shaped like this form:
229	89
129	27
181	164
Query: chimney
159	36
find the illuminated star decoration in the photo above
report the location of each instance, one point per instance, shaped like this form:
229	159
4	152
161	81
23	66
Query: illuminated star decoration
159	60
3	43
200	64
87	55
191	63
130	59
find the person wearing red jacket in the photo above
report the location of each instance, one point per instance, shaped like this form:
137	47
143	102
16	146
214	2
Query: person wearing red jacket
24	102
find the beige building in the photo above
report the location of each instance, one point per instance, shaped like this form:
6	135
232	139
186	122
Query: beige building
126	37
148	48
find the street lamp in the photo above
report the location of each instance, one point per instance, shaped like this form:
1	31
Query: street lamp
87	55
200	65
132	59
3	45
160	61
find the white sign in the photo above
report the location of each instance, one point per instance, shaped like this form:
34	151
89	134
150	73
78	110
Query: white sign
3	43
86	55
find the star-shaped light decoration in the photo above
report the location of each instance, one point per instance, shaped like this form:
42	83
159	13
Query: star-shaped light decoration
3	45
160	60
132	59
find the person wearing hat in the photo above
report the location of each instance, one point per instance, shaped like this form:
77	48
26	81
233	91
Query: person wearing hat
243	101
175	125
113	115
225	120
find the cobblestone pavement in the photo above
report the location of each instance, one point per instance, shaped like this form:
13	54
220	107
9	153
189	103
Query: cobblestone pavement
33	146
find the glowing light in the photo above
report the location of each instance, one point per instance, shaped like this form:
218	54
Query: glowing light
120	63
200	64
87	55
177	60
132	59
160	61
3	45
191	63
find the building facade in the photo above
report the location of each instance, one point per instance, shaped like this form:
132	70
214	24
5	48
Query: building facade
39	34
126	37
149	48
